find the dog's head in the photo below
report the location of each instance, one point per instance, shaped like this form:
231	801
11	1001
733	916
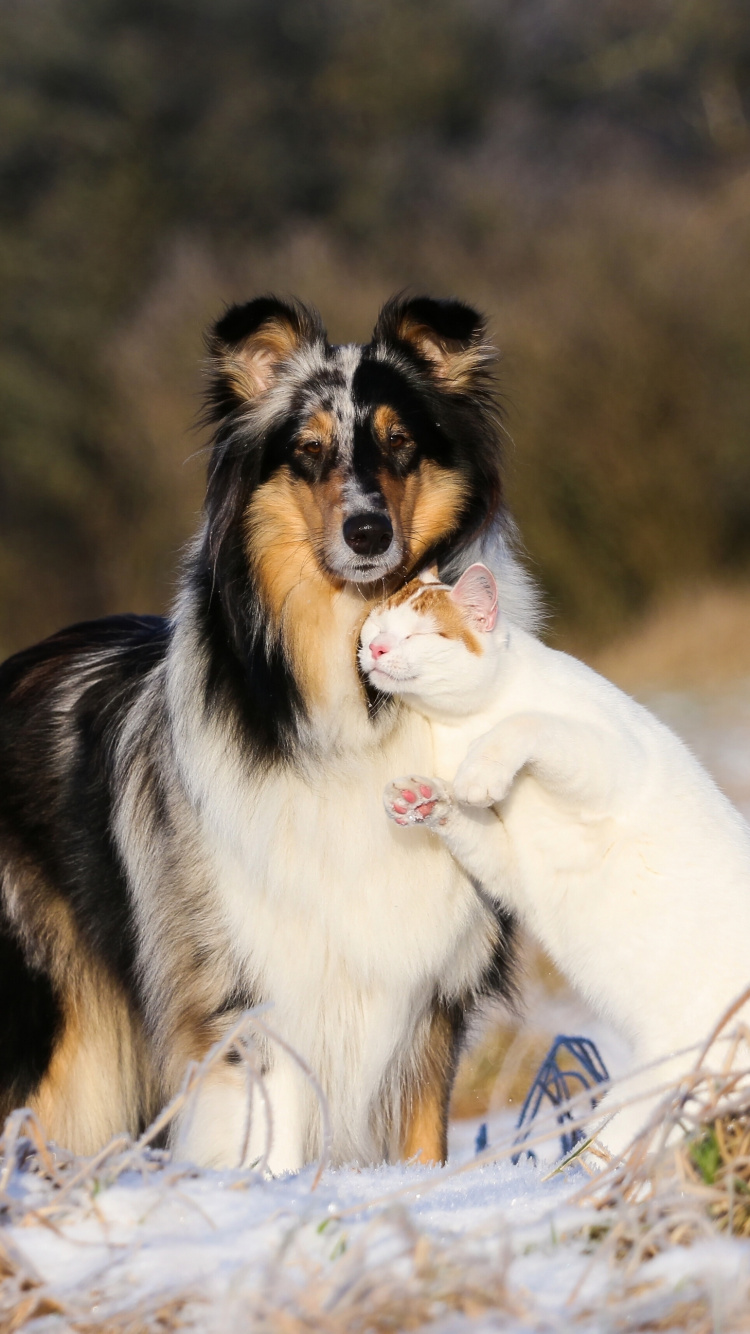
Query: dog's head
369	461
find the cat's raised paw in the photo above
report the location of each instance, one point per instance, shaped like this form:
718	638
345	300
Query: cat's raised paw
418	801
483	780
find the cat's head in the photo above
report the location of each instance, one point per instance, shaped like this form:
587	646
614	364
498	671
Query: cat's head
434	644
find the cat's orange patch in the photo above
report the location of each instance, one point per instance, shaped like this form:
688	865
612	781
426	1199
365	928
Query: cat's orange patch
403	594
431	600
448	617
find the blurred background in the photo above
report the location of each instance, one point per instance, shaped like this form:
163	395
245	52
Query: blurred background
580	169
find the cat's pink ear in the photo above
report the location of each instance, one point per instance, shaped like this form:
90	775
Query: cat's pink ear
476	594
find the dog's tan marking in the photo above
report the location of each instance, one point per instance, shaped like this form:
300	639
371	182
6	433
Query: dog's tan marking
286	520
251	366
424	1114
425	506
387	424
439	499
99	1082
195	1028
320	428
100	1078
455	364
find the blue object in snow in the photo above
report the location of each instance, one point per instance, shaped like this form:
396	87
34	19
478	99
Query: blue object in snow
480	1143
558	1085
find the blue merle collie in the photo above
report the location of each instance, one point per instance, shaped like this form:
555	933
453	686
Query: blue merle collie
190	809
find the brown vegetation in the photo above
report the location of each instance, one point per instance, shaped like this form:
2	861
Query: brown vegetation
699	639
581	171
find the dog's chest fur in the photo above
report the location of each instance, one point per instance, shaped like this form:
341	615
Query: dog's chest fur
350	926
350	930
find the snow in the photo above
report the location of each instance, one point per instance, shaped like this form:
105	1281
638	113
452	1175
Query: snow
232	1247
220	1233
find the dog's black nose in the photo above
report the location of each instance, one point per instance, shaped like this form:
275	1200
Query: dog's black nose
368	534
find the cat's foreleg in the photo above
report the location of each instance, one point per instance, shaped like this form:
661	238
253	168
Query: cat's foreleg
573	760
476	838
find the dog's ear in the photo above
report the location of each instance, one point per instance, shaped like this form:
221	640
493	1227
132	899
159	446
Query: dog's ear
446	337
250	344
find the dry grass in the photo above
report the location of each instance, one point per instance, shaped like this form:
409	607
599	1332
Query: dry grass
386	1272
421	1280
687	1175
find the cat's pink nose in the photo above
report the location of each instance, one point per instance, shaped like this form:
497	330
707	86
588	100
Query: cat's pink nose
381	644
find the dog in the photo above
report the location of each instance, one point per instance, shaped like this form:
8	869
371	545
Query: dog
190	808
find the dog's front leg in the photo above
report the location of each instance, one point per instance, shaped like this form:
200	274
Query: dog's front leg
229	1122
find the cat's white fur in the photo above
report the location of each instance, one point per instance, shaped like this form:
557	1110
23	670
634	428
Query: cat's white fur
581	812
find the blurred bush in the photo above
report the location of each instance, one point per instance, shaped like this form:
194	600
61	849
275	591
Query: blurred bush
581	170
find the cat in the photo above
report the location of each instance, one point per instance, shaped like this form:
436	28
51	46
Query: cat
580	812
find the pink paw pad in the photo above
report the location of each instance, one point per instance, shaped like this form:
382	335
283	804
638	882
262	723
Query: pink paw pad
414	801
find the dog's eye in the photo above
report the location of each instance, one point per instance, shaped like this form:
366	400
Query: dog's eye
397	440
312	447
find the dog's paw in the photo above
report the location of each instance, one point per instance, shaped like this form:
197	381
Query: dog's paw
483	780
418	801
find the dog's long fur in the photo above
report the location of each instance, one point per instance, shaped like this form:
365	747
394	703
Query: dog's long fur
190	814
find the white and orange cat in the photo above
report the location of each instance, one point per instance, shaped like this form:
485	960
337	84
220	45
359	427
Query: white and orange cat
578	810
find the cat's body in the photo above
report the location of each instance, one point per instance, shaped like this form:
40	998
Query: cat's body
613	844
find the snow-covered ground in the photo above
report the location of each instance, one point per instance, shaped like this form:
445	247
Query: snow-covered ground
140	1244
472	1246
